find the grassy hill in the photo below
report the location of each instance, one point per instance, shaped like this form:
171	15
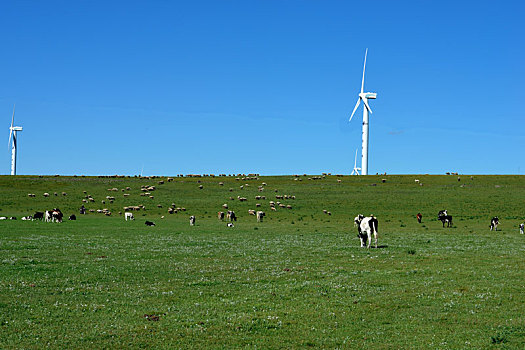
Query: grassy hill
298	279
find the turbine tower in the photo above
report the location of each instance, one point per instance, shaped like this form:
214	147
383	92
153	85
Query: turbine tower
364	96
13	135
356	169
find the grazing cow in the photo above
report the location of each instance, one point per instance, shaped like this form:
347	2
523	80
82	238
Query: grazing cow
72	217
149	223
231	215
192	220
220	215
27	218
56	215
38	216
128	216
419	217
522	228
48	216
12	218
445	218
229	224
494	223
367	225
3	218
82	210
260	215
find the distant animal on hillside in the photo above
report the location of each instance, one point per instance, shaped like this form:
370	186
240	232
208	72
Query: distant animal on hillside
231	215
149	223
54	215
522	228
220	215
229	224
445	218
366	227
419	217
192	220
38	216
12	218
3	218
25	218
72	217
128	216
494	223
260	216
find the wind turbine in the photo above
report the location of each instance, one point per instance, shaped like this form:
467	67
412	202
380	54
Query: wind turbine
12	134
356	169
364	96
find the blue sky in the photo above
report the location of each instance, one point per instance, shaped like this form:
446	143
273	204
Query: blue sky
171	87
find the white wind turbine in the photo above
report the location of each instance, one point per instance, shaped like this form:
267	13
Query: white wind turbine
356	169
364	96
12	135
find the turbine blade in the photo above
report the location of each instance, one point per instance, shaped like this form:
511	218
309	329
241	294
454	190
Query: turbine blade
364	66
367	106
355	108
11	128
13	117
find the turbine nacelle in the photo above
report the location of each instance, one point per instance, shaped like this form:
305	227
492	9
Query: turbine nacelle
15	128
368	95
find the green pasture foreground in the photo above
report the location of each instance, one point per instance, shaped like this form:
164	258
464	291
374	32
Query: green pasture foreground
297	280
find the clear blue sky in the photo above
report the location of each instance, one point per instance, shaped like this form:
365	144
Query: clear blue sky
113	87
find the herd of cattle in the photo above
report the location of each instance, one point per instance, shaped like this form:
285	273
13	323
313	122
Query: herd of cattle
366	226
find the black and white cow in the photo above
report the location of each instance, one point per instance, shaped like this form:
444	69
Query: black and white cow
494	223
54	215
149	223
445	218
192	220
365	227
231	215
38	216
72	217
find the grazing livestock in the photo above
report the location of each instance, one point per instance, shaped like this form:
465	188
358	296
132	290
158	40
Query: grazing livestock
522	228
24	218
3	218
229	224
367	226
149	223
72	217
231	216
192	220
12	218
53	215
494	223
128	216
38	216
260	215
419	217
445	218
220	215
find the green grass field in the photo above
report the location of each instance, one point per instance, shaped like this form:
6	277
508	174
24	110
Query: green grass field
297	280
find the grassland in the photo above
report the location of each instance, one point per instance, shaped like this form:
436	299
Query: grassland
297	280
